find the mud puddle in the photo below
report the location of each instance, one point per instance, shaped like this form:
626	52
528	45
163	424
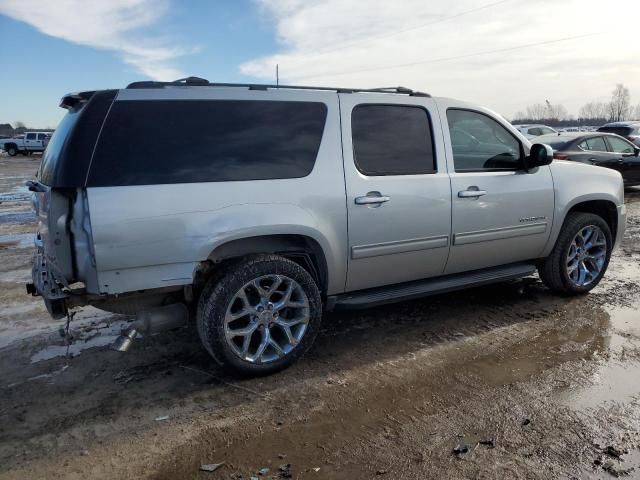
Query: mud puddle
83	337
19	195
617	379
16	240
340	436
17	217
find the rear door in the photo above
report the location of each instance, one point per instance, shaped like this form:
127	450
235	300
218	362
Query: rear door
398	192
501	214
594	150
40	141
625	158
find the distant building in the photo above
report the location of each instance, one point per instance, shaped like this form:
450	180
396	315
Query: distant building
6	129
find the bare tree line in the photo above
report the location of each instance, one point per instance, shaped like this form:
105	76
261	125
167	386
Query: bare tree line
617	109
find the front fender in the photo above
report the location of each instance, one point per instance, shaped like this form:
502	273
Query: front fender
575	183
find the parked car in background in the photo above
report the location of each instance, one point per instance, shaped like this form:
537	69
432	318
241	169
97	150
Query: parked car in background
531	131
30	142
601	149
628	130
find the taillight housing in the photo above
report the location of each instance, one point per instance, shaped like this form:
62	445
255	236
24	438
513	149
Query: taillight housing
560	156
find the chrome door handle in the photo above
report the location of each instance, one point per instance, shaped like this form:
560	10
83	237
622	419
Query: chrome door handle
372	199
471	193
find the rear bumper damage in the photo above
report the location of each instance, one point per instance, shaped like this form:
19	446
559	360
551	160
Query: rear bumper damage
46	284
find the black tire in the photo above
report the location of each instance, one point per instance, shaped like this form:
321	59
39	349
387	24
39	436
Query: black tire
219	292
12	151
553	271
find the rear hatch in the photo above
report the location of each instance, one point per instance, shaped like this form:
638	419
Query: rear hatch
59	185
622	131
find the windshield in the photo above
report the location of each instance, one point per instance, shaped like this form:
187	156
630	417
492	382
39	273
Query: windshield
54	147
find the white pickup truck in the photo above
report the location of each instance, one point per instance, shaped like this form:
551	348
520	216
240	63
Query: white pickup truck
30	142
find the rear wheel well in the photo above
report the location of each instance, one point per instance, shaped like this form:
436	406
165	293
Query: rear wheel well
303	250
603	208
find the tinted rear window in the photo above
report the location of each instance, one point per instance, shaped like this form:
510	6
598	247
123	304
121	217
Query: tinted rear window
177	141
51	155
66	160
392	140
622	131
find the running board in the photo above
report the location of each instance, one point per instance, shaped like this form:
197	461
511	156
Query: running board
432	286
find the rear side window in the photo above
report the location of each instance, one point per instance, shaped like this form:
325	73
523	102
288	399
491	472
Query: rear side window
31	136
596	144
177	141
535	131
392	140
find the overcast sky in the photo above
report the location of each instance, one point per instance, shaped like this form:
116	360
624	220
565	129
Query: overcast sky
503	54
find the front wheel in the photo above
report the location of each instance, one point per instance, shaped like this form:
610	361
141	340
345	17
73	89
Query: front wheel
580	256
260	315
12	151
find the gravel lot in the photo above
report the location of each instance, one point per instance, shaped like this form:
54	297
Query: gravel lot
522	383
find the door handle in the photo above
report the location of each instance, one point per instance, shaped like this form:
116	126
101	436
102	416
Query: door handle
471	193
372	198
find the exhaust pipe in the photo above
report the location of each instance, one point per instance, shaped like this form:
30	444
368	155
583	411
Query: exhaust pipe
125	340
152	322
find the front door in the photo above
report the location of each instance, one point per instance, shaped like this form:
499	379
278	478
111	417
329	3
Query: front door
500	213
398	192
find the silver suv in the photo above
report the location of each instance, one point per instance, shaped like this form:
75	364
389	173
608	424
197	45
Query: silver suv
255	208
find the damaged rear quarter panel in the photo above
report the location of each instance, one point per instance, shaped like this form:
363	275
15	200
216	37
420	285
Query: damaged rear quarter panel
154	236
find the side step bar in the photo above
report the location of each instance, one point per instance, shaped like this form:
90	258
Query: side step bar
422	288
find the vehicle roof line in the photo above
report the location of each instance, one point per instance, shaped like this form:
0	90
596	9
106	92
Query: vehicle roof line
201	82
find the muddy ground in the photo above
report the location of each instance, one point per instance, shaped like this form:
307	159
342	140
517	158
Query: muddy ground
525	384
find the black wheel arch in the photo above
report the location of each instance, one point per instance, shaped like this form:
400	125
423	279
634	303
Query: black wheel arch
605	209
301	249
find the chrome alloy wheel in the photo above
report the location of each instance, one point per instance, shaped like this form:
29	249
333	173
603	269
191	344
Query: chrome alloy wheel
587	255
266	319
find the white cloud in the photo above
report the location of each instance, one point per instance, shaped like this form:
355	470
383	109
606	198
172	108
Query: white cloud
116	25
439	46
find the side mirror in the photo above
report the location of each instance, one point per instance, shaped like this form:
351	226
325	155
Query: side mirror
637	151
539	155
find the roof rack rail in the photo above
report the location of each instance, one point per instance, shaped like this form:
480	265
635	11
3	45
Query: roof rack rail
197	81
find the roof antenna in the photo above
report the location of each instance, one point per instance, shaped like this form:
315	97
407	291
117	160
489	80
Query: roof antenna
277	76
